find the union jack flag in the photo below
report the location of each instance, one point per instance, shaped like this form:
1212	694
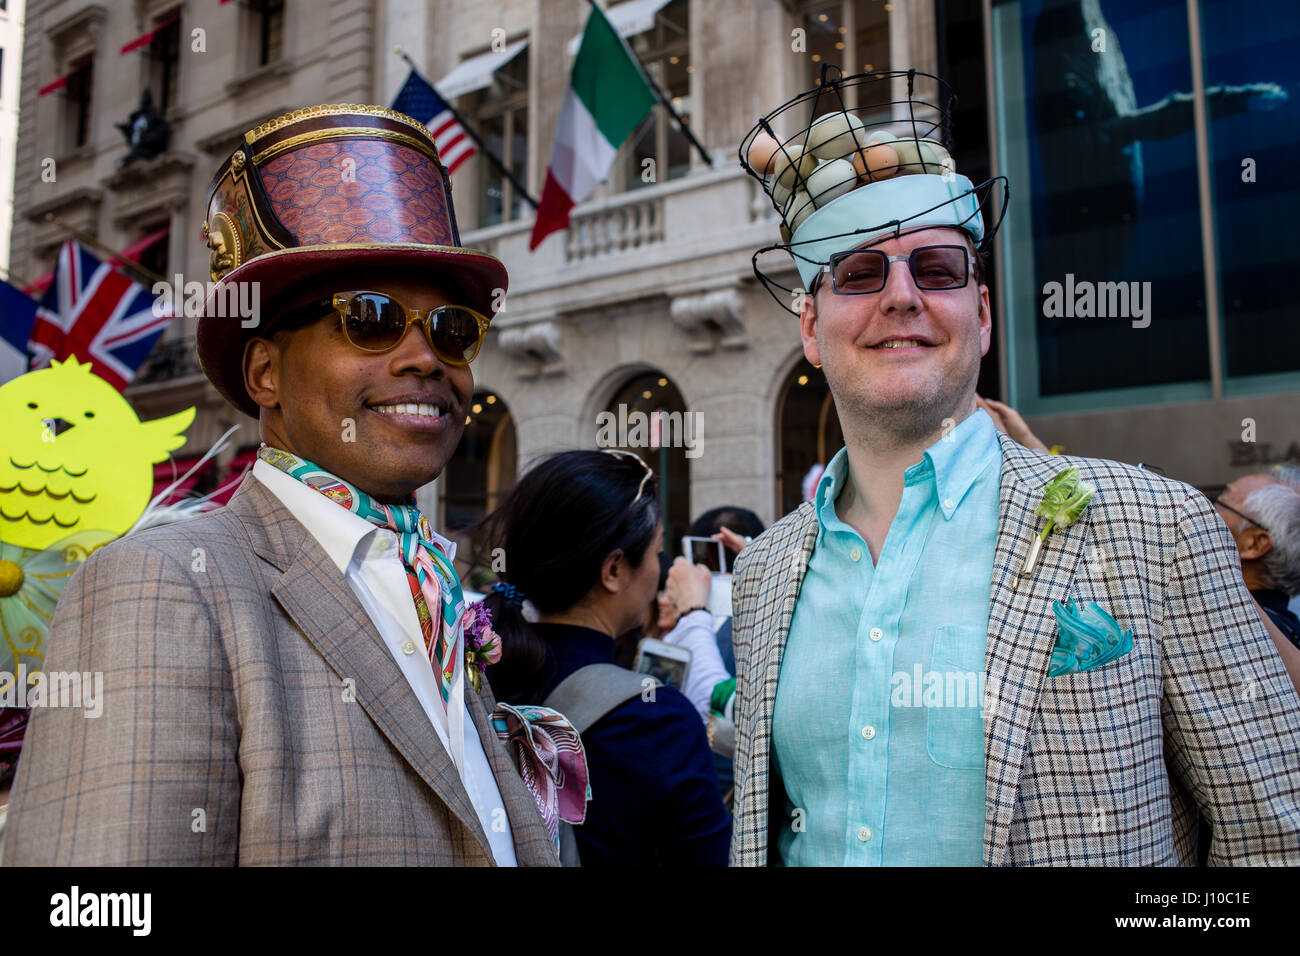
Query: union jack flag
94	312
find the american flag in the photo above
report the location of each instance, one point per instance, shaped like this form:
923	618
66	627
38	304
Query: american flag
94	312
420	101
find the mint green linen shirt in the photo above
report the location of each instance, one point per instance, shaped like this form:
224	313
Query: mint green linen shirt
877	730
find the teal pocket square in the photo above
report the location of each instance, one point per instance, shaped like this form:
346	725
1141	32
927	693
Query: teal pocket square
1086	638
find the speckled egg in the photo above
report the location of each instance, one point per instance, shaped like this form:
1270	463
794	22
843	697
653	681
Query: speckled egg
877	161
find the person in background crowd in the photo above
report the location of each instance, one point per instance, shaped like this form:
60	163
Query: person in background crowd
582	534
1263	513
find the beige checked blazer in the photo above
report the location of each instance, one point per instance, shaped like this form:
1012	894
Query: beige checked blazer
1106	767
230	647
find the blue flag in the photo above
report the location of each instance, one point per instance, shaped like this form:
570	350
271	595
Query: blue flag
17	315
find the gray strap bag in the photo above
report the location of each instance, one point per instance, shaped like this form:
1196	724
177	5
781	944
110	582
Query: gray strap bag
585	696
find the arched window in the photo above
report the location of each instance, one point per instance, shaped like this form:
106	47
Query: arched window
807	432
481	471
648	416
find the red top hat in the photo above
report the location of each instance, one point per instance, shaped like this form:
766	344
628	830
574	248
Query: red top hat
318	191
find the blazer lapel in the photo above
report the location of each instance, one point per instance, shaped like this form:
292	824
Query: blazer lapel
526	824
319	601
1021	630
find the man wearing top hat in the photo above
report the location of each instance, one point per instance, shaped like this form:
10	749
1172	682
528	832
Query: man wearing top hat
960	652
284	678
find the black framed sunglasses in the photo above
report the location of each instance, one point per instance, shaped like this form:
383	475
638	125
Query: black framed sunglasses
376	322
1217	501
933	269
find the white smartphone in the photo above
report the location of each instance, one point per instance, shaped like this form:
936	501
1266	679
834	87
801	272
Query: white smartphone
705	551
668	663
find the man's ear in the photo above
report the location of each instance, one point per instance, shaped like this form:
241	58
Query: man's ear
808	329
986	321
1254	544
262	371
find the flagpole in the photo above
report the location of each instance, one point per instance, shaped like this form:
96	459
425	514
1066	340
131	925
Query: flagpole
469	131
654	88
119	259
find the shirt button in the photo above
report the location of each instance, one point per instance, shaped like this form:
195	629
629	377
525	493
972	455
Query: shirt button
877	633
855	554
868	732
864	834
408	647
947	503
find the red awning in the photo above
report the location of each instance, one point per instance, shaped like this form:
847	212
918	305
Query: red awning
53	85
146	38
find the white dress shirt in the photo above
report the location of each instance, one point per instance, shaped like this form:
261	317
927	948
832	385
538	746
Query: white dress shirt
370	561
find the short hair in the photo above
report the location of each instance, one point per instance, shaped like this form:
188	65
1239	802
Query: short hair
1276	507
732	517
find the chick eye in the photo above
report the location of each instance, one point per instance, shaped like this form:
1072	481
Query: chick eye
32	405
90	414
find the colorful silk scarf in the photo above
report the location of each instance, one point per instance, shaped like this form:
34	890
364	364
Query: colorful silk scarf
432	578
550	757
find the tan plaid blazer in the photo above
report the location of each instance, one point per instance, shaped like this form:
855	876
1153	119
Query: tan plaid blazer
252	715
1105	767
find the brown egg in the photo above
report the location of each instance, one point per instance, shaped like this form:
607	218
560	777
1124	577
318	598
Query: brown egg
761	150
878	161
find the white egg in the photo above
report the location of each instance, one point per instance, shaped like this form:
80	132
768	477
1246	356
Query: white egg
780	195
880	136
831	180
799	208
919	156
834	136
791	165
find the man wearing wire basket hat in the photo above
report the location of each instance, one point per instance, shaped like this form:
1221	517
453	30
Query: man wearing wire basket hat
961	651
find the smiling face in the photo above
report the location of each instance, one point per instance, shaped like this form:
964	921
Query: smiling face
901	358
385	422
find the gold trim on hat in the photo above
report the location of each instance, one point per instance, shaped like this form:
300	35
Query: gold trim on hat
341	132
288	119
385	246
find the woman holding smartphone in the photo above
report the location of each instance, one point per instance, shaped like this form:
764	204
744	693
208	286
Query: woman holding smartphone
582	535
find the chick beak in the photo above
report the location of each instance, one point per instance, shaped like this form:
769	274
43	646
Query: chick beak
58	425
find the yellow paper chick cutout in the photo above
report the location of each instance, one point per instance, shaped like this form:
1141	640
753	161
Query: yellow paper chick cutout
74	455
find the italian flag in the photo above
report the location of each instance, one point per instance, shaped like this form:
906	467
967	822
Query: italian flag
606	100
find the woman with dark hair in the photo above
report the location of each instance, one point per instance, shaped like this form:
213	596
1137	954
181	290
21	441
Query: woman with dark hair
582	536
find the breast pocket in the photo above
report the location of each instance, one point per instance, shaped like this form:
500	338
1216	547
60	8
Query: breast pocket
953	697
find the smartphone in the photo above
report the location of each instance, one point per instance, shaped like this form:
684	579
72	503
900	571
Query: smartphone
705	551
667	663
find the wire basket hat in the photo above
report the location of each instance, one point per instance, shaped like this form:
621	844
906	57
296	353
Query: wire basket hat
843	175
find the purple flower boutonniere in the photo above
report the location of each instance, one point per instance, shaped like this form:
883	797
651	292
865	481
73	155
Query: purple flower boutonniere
482	644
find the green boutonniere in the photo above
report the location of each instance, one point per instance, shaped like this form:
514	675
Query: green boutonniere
1063	501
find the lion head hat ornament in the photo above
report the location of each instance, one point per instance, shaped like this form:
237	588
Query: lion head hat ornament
313	192
855	161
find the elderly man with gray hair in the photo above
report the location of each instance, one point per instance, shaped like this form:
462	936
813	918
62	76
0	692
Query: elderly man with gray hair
1263	513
